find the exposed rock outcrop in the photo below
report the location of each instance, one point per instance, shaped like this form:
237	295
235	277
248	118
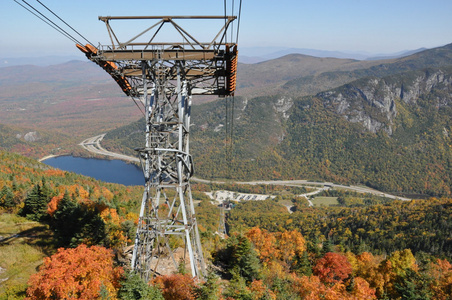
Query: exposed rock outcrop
373	101
31	136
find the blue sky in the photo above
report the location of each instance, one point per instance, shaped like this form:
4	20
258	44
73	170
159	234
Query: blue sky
372	26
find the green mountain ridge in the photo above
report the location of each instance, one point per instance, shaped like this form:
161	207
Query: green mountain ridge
391	132
314	83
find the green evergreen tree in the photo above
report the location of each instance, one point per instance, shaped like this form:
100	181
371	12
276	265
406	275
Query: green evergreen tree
303	265
327	247
134	288
313	246
237	289
67	212
245	260
74	224
6	197
210	289
413	286
35	205
239	258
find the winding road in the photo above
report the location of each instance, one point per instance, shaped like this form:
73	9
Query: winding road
93	145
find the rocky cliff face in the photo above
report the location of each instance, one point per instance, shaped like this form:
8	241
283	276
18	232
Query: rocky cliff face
373	102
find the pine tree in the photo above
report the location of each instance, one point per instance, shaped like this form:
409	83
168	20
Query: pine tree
35	205
304	266
134	288
6	197
327	247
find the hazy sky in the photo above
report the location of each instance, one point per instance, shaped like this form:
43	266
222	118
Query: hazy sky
373	26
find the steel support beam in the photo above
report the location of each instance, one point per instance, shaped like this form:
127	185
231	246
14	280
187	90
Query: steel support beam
162	77
167	215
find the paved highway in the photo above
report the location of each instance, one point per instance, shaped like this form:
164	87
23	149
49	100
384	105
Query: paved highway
92	144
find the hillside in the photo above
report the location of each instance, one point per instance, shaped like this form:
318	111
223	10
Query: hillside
269	77
75	98
314	83
385	128
37	205
35	143
80	99
391	133
365	247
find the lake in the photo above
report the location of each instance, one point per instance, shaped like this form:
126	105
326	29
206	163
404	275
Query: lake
114	171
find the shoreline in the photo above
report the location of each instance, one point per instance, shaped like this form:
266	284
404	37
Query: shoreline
47	157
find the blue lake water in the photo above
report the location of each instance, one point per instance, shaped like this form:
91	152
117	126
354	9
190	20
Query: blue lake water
114	171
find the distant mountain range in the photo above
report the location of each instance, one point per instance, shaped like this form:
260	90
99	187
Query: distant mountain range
251	55
38	61
383	123
248	55
387	126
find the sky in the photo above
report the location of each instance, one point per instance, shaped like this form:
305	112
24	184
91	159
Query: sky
360	26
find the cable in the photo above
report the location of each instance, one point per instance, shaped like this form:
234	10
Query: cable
73	38
238	22
225	21
232	130
65	22
232	25
227	129
136	103
66	35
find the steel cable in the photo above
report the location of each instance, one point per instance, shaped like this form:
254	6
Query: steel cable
65	23
73	38
64	34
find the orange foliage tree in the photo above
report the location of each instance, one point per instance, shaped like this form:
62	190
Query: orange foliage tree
281	245
264	244
312	288
79	273
441	273
52	206
176	286
332	268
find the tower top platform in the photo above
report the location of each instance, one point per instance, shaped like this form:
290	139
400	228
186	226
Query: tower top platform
210	66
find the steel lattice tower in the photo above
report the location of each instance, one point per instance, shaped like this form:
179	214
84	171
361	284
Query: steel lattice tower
162	77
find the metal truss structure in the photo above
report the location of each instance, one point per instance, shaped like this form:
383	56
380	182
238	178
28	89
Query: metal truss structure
162	77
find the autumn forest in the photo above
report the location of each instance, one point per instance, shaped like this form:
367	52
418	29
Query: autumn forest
383	125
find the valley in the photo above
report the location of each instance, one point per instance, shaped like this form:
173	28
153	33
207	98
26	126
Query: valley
323	152
93	145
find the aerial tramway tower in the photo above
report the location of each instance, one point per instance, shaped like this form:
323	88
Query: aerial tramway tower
161	77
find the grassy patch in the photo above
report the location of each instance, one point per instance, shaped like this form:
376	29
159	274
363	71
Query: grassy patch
327	201
23	245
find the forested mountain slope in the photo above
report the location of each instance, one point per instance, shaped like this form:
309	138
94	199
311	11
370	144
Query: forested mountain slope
34	143
360	249
392	133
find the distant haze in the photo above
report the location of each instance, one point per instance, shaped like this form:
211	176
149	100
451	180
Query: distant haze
247	55
251	55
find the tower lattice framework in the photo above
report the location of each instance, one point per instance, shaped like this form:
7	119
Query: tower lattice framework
162	77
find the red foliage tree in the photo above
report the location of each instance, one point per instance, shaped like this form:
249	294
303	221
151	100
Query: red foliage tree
79	273
176	286
332	268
